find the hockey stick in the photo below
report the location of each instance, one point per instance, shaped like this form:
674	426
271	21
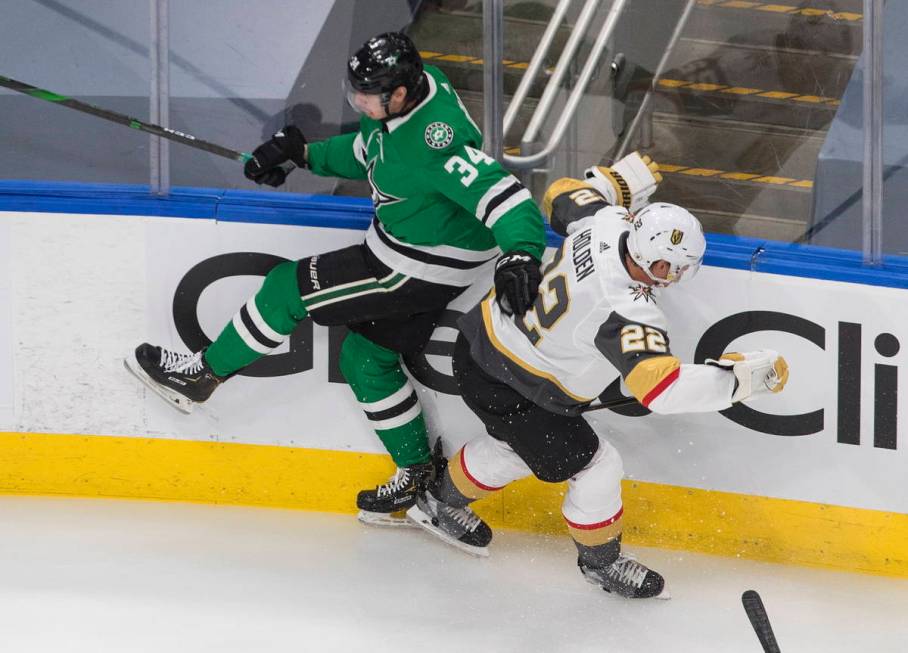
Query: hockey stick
128	121
614	403
753	606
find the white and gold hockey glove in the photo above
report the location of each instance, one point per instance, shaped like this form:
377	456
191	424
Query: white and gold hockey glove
755	372
628	183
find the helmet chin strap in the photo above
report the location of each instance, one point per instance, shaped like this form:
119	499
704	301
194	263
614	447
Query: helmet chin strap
411	99
660	283
386	105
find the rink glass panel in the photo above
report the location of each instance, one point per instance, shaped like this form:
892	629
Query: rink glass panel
242	74
94	51
737	116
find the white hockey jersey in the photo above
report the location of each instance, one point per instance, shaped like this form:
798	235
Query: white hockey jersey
591	322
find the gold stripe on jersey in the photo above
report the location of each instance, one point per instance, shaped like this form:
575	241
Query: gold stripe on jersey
596	534
490	333
464	481
650	376
560	187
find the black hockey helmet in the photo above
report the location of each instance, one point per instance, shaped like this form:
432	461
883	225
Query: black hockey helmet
385	62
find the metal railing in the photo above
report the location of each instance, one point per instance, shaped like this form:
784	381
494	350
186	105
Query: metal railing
644	113
494	80
553	87
535	65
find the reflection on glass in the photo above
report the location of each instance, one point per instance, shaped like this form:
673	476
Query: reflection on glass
742	111
837	211
750	97
240	75
93	51
739	113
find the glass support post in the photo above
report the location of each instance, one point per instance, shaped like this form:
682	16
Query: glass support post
493	78
873	133
159	98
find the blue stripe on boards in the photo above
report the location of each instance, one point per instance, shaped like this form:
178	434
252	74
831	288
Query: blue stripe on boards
264	207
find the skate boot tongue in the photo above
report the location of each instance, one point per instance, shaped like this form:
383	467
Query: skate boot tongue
463	516
397	483
183	380
628	571
172	361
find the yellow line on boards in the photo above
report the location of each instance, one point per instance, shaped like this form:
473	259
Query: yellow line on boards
721	523
186	470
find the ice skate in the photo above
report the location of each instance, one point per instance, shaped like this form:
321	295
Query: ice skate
387	504
181	379
626	577
459	527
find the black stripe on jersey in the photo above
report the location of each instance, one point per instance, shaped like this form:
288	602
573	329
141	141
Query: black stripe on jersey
511	190
425	257
254	330
394	411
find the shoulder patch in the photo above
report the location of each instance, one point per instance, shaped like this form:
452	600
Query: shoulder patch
439	135
644	292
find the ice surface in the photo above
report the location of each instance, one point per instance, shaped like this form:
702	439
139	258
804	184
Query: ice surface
103	575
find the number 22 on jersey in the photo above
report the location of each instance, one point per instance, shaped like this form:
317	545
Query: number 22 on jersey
635	337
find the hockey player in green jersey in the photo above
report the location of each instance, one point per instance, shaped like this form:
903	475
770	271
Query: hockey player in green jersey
444	212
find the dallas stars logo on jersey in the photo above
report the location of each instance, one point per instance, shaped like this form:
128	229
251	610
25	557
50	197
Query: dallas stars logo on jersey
439	135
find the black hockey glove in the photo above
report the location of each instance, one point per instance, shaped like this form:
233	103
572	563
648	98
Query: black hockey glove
517	280
288	144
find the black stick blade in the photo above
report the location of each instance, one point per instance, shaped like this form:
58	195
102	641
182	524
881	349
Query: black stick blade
753	606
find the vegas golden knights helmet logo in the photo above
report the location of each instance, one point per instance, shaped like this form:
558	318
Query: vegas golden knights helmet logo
677	235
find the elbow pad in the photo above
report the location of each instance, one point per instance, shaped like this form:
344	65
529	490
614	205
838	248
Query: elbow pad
568	200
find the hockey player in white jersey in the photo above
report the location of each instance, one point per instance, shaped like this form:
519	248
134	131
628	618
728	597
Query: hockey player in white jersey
529	378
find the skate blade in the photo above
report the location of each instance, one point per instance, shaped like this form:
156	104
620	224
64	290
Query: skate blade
173	398
386	519
422	519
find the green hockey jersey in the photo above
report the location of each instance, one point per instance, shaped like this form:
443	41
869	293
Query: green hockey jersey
443	208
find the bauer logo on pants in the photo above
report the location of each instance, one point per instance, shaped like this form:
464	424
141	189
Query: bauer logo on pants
439	135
